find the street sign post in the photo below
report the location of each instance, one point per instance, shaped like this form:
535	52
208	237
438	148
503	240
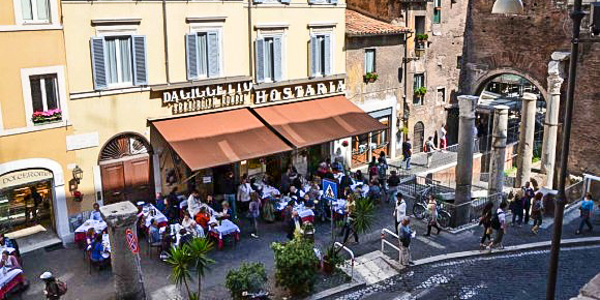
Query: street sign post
330	194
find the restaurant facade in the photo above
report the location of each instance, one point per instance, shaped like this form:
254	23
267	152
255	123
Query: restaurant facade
177	95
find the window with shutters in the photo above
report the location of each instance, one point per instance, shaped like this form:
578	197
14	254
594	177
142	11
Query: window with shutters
44	93
437	11
370	61
321	54
35	11
269	59
119	61
419	86
203	54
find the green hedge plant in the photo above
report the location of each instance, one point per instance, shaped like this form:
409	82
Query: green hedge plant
250	277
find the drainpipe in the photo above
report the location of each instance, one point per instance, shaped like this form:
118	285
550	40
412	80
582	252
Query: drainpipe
166	40
250	37
405	97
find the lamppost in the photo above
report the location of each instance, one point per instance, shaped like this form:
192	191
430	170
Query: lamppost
516	6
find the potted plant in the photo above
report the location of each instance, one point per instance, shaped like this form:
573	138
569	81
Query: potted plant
250	277
422	37
331	260
295	265
370	77
420	92
49	116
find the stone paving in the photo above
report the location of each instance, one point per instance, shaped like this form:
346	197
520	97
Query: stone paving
70	265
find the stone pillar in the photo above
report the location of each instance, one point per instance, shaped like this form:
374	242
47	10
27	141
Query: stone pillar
464	168
498	156
556	77
526	135
121	218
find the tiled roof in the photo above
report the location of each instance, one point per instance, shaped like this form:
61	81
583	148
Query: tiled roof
359	24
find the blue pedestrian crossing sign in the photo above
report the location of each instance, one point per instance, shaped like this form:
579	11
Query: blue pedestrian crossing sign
329	190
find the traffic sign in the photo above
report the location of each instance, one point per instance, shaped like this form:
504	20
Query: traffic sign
330	190
132	241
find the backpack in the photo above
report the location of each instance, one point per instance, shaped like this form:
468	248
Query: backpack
62	287
495	221
425	148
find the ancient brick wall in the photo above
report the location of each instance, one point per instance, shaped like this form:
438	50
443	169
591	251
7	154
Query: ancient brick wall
522	44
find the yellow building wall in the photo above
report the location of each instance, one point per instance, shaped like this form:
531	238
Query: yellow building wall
299	14
7	12
20	50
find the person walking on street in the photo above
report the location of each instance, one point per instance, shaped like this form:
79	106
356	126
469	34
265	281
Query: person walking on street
499	224
254	208
382	168
53	289
485	220
406	153
516	207
349	223
528	194
399	211
243	193
405	235
393	182
429	149
432	216
537	213
586	209
442	138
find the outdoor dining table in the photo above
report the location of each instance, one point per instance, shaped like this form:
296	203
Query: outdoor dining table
10	279
222	230
80	232
150	212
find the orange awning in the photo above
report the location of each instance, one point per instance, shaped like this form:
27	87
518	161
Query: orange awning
220	138
313	122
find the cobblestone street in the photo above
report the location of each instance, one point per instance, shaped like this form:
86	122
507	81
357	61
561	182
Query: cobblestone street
518	275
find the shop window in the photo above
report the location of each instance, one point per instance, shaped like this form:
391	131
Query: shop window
419	89
119	61
321	55
437	11
269	59
370	61
203	54
35	11
44	95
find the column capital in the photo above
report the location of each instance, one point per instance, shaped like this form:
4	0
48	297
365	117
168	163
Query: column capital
467	105
119	214
556	77
501	109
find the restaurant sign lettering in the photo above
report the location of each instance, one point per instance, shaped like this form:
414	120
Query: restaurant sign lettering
24	177
299	91
194	99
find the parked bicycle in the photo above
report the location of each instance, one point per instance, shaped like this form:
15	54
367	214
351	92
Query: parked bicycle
420	208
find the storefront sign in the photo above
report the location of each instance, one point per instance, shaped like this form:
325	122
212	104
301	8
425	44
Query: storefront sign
24	177
192	99
132	241
82	141
299	91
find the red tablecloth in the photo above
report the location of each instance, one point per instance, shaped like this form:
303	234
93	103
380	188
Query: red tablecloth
15	282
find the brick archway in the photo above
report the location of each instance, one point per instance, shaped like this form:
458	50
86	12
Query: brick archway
486	77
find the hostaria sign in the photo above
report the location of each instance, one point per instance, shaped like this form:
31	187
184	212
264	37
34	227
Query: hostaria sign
194	99
299	91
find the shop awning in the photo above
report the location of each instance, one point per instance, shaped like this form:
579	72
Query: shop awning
220	138
318	121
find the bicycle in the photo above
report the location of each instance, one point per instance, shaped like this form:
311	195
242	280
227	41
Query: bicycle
420	209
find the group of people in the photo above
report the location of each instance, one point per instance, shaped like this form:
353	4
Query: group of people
429	148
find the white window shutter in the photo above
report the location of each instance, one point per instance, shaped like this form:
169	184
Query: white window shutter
260	60
258	1
285	1
98	63
333	1
191	46
314	50
214	61
140	67
277	58
327	53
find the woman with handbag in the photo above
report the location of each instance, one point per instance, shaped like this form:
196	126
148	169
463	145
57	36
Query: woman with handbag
432	216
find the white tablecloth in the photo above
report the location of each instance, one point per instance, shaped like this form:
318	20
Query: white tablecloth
98	226
305	212
268	191
226	227
10	275
159	217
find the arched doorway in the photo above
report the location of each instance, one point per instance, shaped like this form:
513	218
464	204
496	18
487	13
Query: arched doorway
125	169
418	137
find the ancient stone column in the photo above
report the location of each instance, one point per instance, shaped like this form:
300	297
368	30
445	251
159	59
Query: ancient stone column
125	259
498	156
555	79
464	167
526	135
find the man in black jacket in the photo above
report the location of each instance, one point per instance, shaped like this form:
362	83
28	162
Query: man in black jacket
393	182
